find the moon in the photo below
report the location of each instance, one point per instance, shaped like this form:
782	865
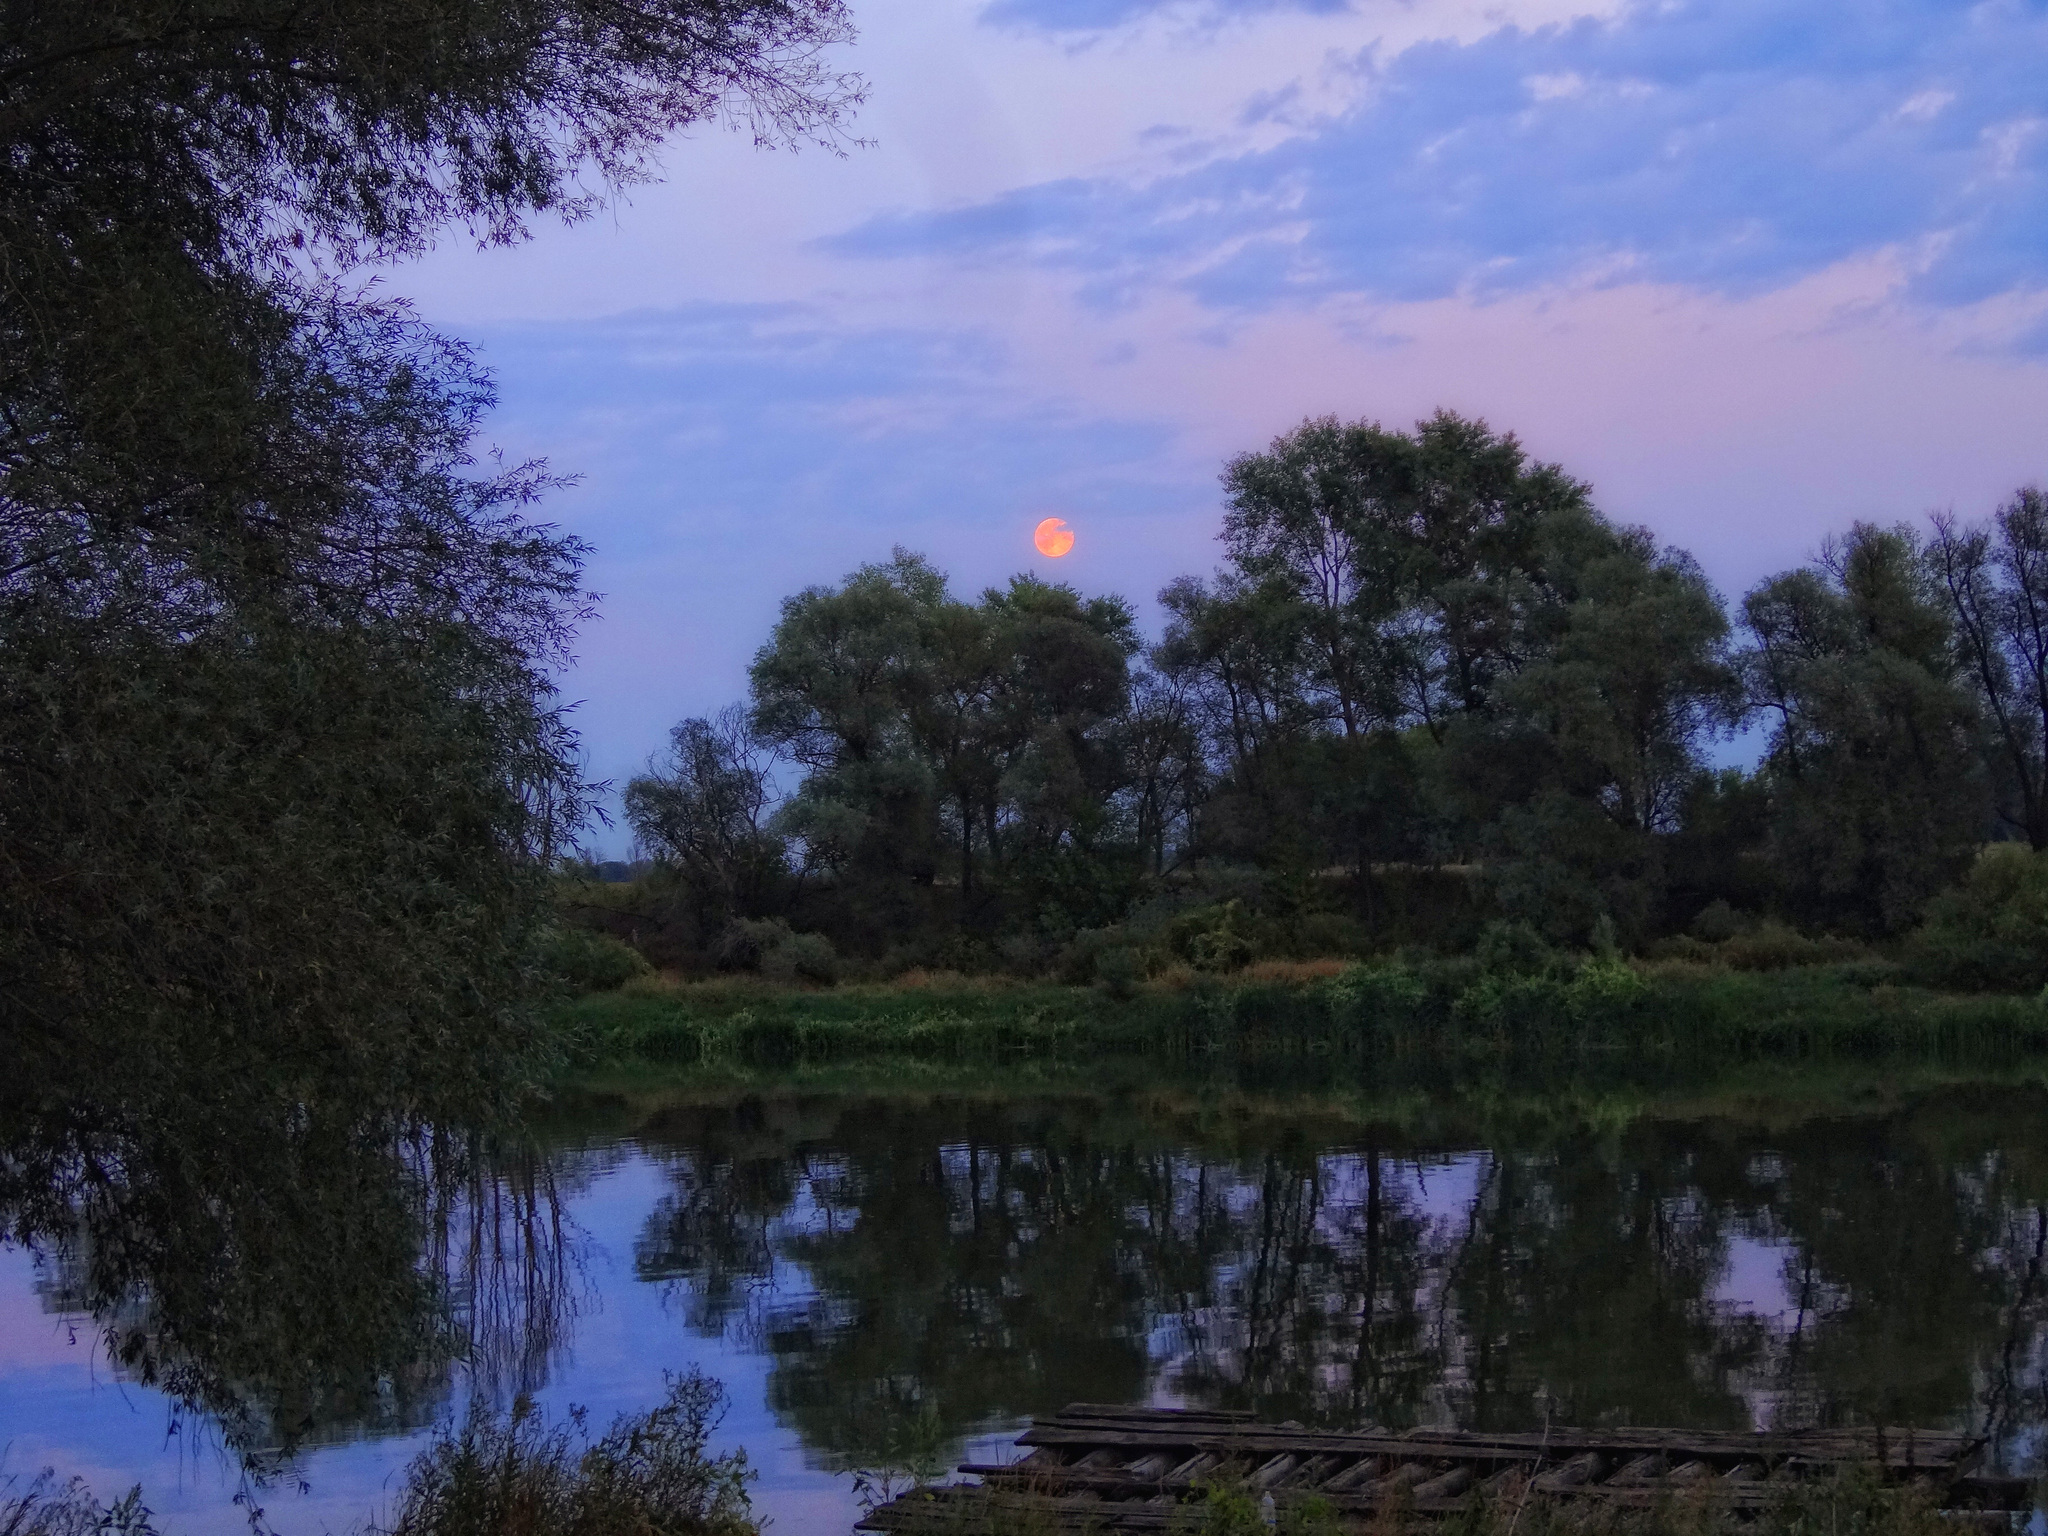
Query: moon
1053	537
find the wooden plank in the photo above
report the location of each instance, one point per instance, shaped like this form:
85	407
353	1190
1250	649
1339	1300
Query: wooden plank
1254	1439
1583	1468
1112	1468
1127	1411
1926	1450
1447	1485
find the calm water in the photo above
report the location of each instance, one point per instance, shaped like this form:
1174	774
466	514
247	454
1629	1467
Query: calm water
867	1276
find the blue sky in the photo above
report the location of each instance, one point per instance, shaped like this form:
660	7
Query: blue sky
1754	268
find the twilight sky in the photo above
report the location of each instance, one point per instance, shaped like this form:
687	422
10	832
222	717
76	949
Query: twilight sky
1754	268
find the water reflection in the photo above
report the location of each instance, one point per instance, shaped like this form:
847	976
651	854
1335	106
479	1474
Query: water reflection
296	1281
986	1260
861	1268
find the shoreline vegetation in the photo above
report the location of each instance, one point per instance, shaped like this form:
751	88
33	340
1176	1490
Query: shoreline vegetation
1597	1019
656	1473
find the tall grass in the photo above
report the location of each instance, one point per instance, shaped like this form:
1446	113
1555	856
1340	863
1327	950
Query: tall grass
519	1475
45	1507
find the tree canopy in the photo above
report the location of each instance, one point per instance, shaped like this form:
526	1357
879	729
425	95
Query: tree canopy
1429	687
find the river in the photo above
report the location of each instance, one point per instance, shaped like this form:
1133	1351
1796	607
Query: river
888	1279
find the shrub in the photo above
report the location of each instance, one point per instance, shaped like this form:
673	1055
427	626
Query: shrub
1991	932
1330	933
1375	996
1771	946
1075	964
1513	949
649	1475
743	944
802	957
1768	946
590	961
1716	923
1118	972
1215	938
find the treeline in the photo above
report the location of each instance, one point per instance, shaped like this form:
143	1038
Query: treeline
1431	692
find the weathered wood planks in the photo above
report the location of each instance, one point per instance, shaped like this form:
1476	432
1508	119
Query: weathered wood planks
1110	1468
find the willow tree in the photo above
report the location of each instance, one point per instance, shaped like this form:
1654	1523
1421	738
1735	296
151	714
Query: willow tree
281	764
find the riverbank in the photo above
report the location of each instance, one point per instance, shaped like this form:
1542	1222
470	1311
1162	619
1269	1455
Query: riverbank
1610	1018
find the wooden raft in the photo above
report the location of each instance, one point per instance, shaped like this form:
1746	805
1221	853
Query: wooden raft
1099	1468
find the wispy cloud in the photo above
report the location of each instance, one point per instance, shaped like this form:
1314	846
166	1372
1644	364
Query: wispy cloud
1732	146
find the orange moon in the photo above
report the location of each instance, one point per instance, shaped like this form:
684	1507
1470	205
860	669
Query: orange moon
1053	537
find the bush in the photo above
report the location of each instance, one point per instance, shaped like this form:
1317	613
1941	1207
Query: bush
590	962
743	944
1990	934
1768	946
1217	938
1320	934
1716	923
649	1475
770	948
1513	949
1119	971
802	957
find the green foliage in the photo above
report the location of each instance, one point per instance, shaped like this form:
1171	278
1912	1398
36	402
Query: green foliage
590	962
1765	945
771	948
1991	932
649	1473
1440	1013
1877	787
1513	949
1716	923
703	810
1118	971
1996	581
308	854
1217	938
802	957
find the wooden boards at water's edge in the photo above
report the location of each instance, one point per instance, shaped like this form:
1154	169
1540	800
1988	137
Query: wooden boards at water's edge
1110	1469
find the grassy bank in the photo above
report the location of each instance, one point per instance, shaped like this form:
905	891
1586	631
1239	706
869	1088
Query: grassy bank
1598	1018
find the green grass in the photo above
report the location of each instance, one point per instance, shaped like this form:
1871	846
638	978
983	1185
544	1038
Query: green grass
1591	1023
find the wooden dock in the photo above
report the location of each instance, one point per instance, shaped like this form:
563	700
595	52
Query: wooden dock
1104	1469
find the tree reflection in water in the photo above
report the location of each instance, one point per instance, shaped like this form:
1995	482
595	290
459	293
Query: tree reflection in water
291	1278
987	1259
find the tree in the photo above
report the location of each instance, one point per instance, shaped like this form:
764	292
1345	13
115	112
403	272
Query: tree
927	724
168	360
1996	582
1320	520
1878	795
829	692
282	767
1425	644
231	488
704	810
1160	744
